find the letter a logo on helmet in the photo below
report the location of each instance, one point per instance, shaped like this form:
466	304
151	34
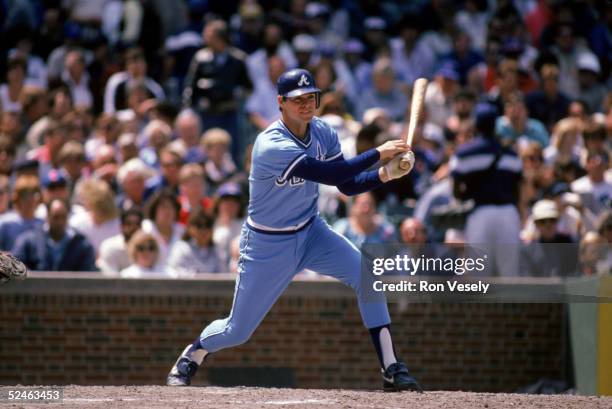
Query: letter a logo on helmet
296	82
303	80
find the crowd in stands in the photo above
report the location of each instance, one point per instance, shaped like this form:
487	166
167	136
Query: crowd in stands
126	125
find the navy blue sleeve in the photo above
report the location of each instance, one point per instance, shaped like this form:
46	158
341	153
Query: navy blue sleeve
335	172
363	182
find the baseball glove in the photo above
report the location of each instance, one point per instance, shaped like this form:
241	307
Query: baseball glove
11	268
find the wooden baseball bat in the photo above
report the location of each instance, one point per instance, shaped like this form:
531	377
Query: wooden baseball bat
416	106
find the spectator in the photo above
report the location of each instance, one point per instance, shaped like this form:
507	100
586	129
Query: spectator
305	47
161	216
463	107
411	59
273	44
224	70
144	255
473	21
128	148
384	92
578	109
139	109
36	69
358	70
440	94
114	256
60	103
375	38
540	258
568	52
170	164
319	23
463	56
154	137
192	187
413	236
34	104
219	166
48	154
261	105
56	247
98	221
25	199
131	177
590	89
564	146
594	137
106	132
10	92
594	254
73	165
196	253
364	224
489	174
515	126
548	104
188	129
116	92
603	263
76	77
537	176
104	164
228	220
250	32
595	188
569	218
7	155
54	186
506	83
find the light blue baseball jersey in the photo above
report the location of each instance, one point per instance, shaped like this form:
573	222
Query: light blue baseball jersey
279	202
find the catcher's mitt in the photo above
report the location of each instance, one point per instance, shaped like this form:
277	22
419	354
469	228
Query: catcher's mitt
11	268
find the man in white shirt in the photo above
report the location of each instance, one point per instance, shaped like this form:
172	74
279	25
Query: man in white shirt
113	255
595	188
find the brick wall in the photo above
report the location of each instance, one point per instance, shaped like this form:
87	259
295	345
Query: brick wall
103	331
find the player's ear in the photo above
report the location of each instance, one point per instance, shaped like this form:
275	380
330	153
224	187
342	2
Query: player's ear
280	100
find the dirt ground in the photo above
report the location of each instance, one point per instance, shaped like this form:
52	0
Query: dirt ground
144	397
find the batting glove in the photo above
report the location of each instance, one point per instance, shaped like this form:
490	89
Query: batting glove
11	268
393	168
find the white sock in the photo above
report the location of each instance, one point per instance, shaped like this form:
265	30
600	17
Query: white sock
386	346
196	355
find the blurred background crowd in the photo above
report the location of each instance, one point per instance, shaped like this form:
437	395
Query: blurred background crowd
126	125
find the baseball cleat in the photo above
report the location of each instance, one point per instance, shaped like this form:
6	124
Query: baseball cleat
183	370
397	378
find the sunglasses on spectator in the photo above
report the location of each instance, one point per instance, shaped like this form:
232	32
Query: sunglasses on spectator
170	164
533	158
146	247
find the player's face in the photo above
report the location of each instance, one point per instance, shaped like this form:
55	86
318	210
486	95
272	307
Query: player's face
300	108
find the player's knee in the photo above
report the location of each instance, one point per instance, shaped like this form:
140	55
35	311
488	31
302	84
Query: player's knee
240	335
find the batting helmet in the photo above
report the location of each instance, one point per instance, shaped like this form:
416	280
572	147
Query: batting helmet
296	82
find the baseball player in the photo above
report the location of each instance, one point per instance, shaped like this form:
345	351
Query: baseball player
284	234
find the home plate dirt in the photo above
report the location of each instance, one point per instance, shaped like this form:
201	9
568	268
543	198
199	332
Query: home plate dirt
145	397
